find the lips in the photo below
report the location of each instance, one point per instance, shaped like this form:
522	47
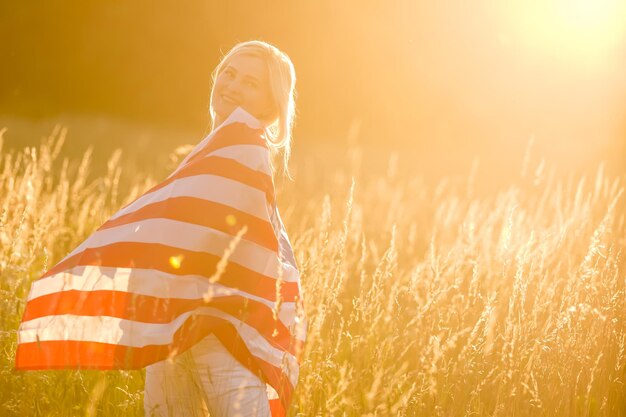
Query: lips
229	99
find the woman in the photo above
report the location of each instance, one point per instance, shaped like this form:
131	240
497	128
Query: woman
199	264
259	79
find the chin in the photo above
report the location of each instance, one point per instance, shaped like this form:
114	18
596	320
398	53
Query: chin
223	113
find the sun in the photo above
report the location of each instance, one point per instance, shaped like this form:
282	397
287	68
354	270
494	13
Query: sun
581	32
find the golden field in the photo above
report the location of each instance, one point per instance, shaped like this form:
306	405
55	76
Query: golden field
422	299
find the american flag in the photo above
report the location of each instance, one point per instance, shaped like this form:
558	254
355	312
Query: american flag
205	251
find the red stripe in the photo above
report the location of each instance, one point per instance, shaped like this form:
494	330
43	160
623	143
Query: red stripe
59	354
223	167
204	213
148	309
64	354
157	256
276	408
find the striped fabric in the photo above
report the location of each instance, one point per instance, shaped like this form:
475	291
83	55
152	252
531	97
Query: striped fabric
148	284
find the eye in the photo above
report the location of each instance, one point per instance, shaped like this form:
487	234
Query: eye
251	84
229	72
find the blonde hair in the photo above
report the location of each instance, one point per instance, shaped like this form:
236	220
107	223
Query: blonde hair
282	82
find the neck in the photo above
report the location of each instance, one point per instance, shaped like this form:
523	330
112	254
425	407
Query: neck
218	121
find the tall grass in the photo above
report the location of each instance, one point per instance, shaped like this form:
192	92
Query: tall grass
422	300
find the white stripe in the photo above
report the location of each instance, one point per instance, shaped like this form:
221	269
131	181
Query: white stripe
149	282
207	187
103	329
271	392
254	157
117	331
242	116
193	237
239	115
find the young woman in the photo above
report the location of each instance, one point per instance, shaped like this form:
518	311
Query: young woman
261	79
195	279
208	379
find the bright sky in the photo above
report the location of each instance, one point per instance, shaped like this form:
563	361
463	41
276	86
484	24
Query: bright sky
442	76
583	33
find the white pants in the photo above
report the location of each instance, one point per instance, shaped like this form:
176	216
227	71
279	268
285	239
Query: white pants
205	380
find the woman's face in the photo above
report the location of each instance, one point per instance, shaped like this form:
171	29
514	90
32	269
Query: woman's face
244	81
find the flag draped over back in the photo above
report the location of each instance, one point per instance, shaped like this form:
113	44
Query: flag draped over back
149	284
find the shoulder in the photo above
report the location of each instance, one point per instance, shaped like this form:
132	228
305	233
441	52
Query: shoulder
239	133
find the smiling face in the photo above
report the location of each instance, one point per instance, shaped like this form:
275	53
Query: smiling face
243	81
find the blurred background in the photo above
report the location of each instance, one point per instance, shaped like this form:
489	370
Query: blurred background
434	86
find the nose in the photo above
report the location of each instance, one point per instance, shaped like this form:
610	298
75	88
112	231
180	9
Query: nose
233	88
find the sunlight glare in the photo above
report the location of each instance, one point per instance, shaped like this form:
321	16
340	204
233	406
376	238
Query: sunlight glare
581	32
